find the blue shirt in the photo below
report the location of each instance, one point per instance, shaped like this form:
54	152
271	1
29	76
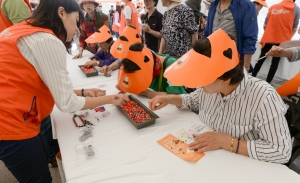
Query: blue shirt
245	18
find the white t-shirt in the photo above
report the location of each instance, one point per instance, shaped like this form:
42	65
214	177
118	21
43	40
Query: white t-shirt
127	12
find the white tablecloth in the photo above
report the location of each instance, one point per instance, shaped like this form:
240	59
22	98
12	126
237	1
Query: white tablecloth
128	155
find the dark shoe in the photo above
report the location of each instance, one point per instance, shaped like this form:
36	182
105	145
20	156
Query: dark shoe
53	162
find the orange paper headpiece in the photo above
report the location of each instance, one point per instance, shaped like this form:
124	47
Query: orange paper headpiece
129	36
195	70
141	79
262	2
99	37
290	87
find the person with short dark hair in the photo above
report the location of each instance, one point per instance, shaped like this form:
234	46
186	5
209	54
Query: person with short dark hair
246	113
104	40
159	83
152	25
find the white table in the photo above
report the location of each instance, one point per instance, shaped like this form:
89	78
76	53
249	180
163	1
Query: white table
78	77
128	155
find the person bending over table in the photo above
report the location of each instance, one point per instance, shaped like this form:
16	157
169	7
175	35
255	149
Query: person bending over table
246	112
293	53
159	84
30	89
104	40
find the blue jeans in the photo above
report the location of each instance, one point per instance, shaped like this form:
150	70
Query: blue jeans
117	34
50	144
26	160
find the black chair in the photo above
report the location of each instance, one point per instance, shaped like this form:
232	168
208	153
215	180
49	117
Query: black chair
293	118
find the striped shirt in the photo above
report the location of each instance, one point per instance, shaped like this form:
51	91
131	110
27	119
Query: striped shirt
225	21
253	111
296	54
47	54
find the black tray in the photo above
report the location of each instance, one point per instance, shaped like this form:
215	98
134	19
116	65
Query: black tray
89	74
145	123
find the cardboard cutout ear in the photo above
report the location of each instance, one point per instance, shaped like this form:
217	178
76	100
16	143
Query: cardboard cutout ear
206	69
126	39
146	59
123	38
101	36
228	53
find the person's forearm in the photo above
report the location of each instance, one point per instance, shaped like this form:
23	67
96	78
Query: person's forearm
175	100
151	94
96	101
242	149
162	46
247	60
157	34
128	22
115	65
194	37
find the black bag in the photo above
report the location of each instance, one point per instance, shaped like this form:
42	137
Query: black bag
293	119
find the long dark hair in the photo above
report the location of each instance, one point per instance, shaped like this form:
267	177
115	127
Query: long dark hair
118	9
46	16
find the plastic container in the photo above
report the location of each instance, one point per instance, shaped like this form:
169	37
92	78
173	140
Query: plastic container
89	74
145	123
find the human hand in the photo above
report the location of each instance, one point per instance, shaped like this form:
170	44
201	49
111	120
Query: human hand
277	51
79	55
94	92
209	141
91	63
158	102
105	69
146	28
118	99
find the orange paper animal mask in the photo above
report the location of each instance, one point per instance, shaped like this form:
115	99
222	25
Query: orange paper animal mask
196	70
290	87
99	37
120	48
141	79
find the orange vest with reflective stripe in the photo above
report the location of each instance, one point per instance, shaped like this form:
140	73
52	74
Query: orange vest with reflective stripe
115	28
4	22
25	100
279	27
134	19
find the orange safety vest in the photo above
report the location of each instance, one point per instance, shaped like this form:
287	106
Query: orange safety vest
4	22
279	27
134	19
115	28
25	100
